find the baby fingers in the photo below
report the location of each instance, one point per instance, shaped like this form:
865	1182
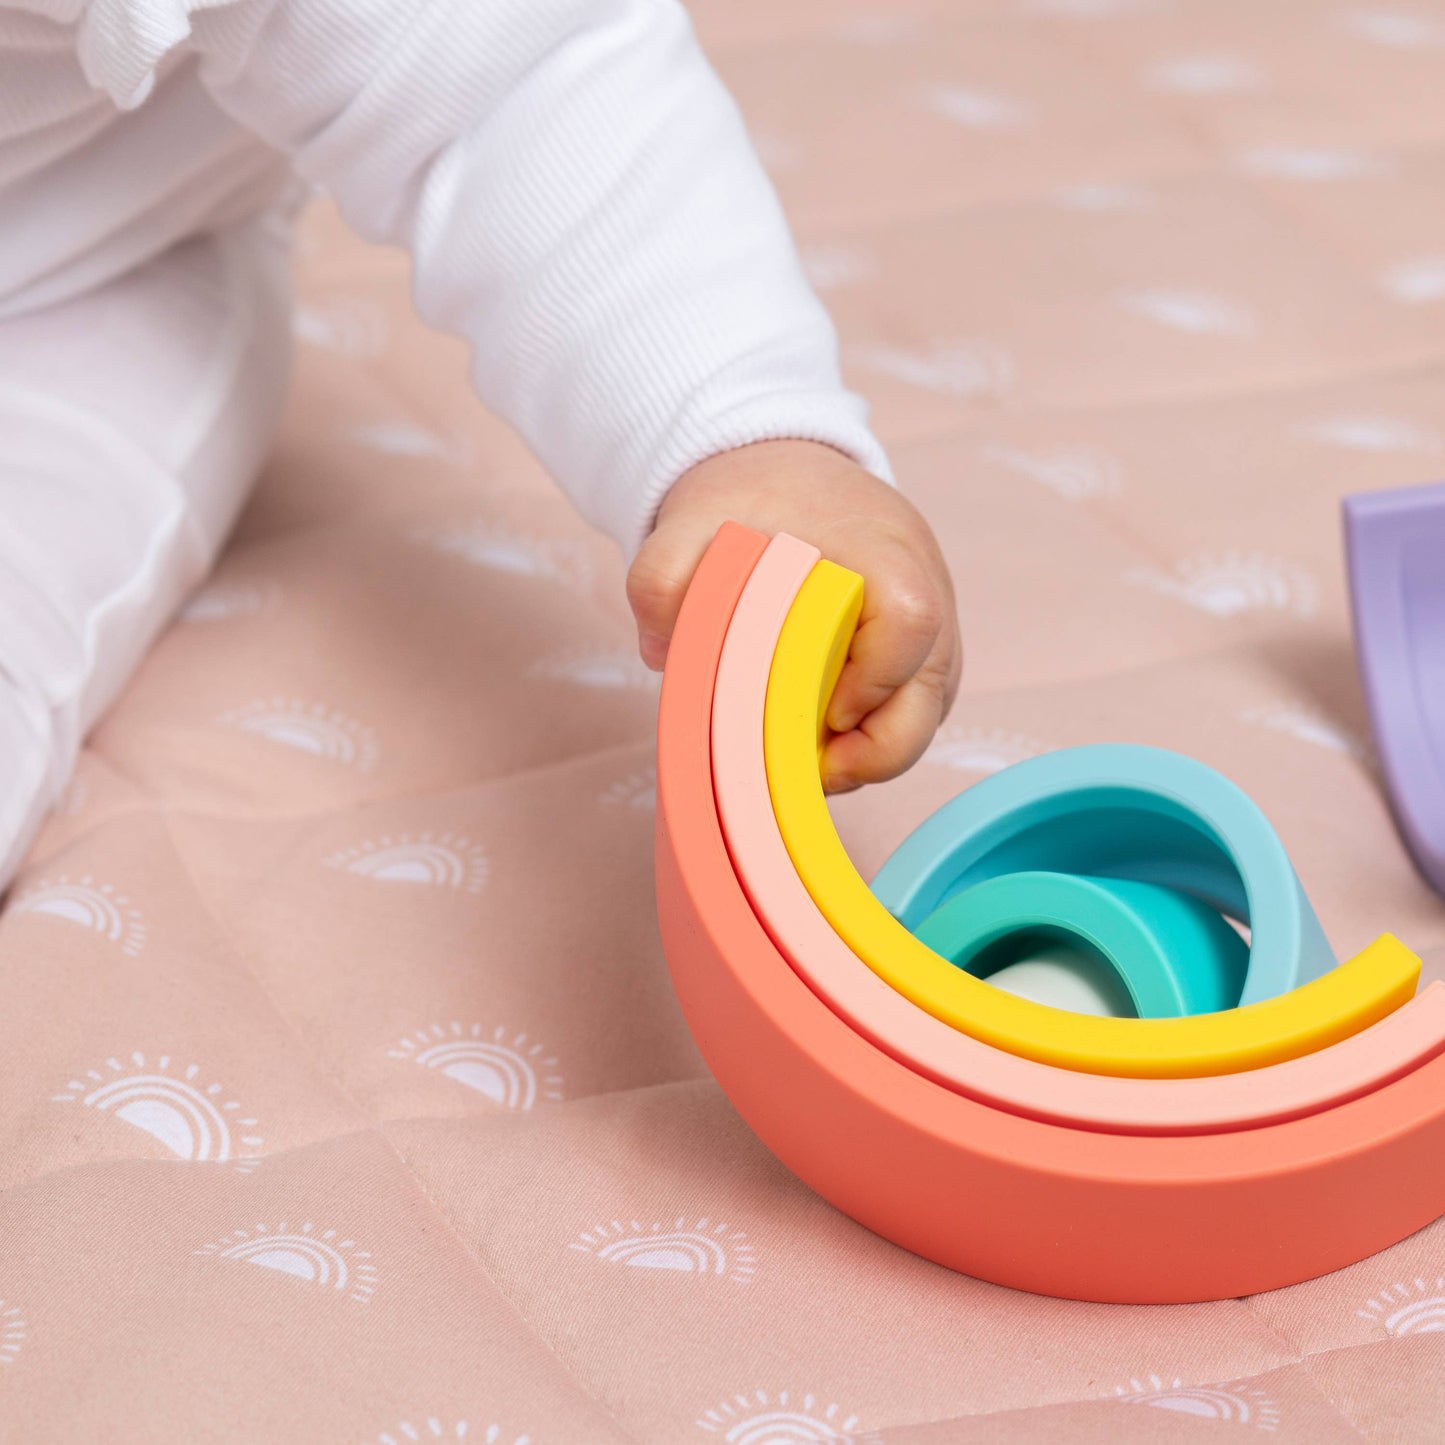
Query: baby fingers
890	738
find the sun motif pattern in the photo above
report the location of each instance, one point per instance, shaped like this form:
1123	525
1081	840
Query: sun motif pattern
783	1419
350	326
1310	725
191	1120
500	549
1092	9
618	670
638	790
965	368
976	109
513	1073
980	750
1395	29
878	28
441	860
1411	1307
433	1428
12	1332
1200	313
1206	74
405	439
1315	164
1416	282
701	1247
830	266
1243	1404
1371	432
222	601
1232	584
75	798
1102	197
87	904
779	153
320	1257
1078	474
307	728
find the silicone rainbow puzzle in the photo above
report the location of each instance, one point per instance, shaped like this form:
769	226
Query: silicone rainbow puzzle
1270	1115
1395	542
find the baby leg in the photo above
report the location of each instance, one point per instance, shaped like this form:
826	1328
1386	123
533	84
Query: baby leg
132	423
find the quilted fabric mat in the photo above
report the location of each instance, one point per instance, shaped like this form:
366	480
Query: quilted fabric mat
343	1097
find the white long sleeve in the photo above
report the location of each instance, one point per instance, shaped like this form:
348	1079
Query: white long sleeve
576	189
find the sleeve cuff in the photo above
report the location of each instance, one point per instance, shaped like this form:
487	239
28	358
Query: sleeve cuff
628	510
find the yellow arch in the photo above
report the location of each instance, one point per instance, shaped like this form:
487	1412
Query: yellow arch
810	655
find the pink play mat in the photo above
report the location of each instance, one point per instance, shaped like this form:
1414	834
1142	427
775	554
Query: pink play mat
343	1095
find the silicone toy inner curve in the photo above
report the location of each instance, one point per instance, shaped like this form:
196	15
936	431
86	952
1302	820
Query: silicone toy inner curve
1173	954
1129	813
1068	978
1321	1012
760	864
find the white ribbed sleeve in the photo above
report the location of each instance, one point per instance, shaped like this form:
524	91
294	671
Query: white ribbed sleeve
579	196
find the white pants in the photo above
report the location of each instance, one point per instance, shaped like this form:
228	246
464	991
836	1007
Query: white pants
132	423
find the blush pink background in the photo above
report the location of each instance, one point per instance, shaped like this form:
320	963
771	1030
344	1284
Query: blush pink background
1138	290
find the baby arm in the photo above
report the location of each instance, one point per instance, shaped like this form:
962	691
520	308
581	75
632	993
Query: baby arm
582	204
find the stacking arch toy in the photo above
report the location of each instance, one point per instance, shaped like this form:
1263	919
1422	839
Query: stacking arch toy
1331	1005
1171	953
1356	1065
1395	543
1082	1184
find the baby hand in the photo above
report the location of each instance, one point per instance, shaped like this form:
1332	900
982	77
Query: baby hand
903	668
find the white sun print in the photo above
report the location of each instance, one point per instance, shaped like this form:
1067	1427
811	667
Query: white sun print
190	1118
499	549
981	750
1243	1404
1199	313
320	1257
87	904
953	368
1372	432
1102	196
977	109
680	1245
1092	9
12	1331
406	439
787	1418
1396	29
432	1427
513	1072
349	326
830	266
1230	584
1317	165
1206	75
1310	726
778	153
1412	1307
307	728
621	670
1416	282
75	797
222	601
1078	474
877	28
637	791
440	860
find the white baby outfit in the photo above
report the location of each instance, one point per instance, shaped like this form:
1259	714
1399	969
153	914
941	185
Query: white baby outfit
580	201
